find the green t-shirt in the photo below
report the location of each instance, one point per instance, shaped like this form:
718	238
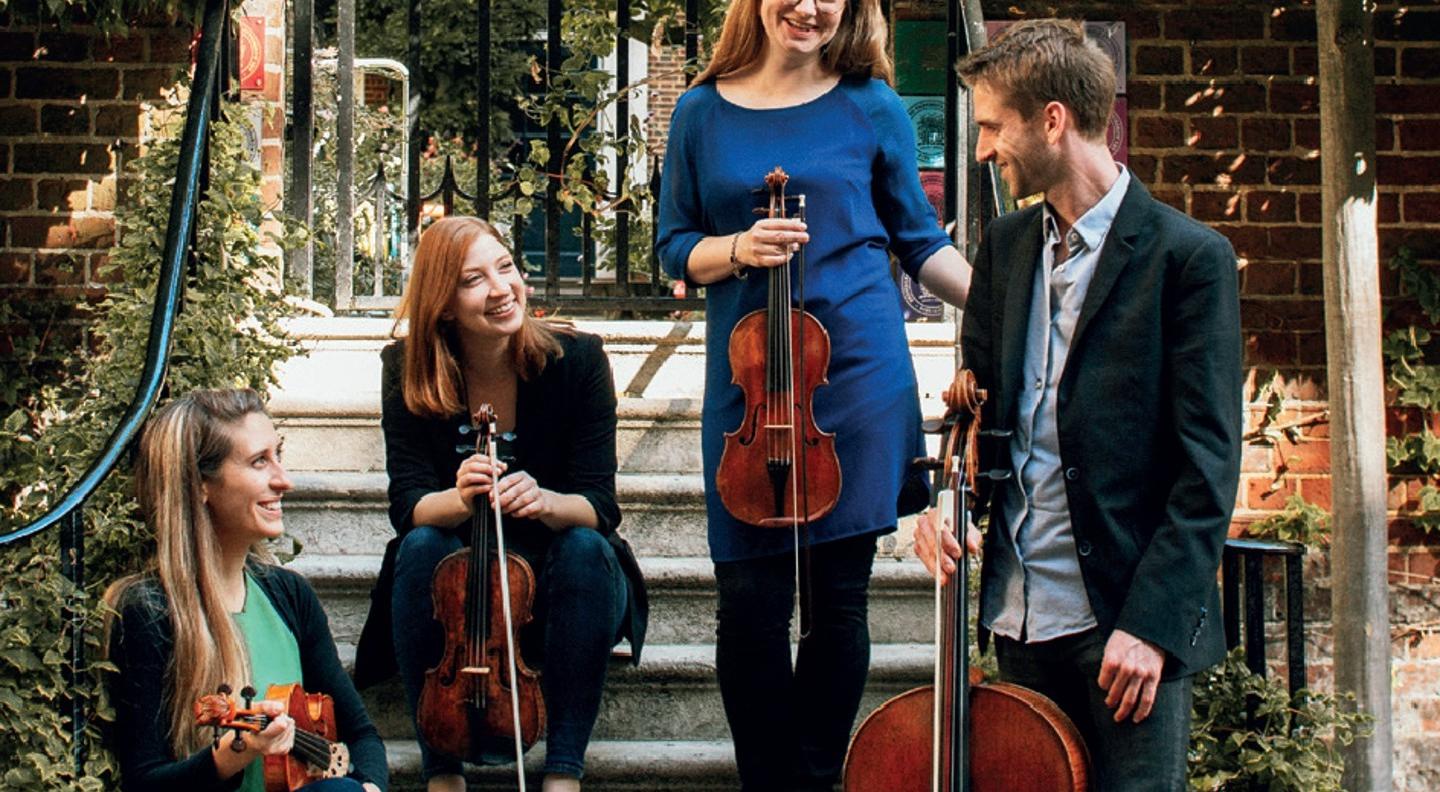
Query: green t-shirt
274	657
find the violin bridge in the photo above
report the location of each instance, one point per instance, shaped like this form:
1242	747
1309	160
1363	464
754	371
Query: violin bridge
478	670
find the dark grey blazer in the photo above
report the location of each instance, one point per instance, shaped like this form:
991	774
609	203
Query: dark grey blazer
1149	409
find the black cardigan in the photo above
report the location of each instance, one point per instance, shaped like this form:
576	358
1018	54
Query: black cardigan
140	646
565	428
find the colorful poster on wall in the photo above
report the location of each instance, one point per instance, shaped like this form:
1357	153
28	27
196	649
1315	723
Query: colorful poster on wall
1117	132
916	302
252	53
920	54
927	118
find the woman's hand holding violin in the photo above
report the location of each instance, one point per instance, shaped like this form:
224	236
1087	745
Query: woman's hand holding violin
475	477
770	242
277	738
522	496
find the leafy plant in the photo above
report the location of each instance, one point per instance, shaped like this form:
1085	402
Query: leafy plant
227	334
1247	733
1300	521
1415	385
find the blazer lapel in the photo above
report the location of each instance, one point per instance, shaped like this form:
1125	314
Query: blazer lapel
1024	258
1114	257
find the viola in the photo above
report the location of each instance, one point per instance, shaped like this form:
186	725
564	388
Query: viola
962	734
481	695
315	754
778	469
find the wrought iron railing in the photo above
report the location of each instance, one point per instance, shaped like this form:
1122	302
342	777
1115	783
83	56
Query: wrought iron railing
184	203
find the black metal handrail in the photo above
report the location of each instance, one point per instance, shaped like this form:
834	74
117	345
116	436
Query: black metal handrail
183	207
1244	560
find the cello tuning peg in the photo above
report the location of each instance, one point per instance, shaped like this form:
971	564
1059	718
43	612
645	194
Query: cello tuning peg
996	432
927	463
999	474
932	425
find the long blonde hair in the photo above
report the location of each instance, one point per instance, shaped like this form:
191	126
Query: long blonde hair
858	49
431	379
182	446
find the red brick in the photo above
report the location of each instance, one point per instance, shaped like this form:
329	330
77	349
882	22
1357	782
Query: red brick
1293	23
1213	61
59	270
1388	207
16	45
1308	456
1422	207
61	158
15	268
1294	98
1423	243
1265	278
1142	96
1306	62
1213	205
1420	62
1417	134
16	194
170	45
35	82
1159	60
1232	97
56	119
102	272
143	84
17	120
1174	198
1265	134
1270	349
1250	242
1143	167
1385	62
1281	314
1270	207
62	47
1255	459
1406	170
1214	133
1293	170
1196	169
1295	242
1310	207
60	195
1312	345
1395	495
130	49
1140	22
60	232
118	121
1265	60
1423	565
1157	132
1403	99
1259	496
1307	133
1317	491
1407	24
1229	23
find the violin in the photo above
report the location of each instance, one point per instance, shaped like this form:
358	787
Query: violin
315	754
962	734
481	694
778	469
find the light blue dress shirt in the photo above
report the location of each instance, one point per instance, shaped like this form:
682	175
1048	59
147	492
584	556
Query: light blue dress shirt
1038	592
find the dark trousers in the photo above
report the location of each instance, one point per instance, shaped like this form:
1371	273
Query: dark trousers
579	610
333	785
791	725
1148	756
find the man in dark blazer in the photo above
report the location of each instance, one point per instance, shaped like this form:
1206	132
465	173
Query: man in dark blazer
1105	327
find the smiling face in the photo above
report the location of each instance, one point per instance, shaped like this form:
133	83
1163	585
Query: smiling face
489	300
1019	146
243	497
800	27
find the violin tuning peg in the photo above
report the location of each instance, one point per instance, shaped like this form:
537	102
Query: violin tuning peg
932	425
927	463
999	474
223	689
247	693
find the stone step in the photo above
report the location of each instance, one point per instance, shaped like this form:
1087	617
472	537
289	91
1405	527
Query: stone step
682	597
610	766
344	513
651	436
673	693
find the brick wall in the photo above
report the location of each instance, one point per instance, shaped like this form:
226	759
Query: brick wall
71	115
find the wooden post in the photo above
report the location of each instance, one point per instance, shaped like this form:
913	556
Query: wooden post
1352	337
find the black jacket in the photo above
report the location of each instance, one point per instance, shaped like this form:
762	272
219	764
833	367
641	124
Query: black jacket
1149	409
565	423
141	643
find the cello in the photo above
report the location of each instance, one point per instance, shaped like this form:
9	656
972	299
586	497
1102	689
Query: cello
315	753
481	695
961	734
778	469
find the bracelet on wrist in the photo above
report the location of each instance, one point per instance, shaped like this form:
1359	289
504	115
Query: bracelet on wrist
736	268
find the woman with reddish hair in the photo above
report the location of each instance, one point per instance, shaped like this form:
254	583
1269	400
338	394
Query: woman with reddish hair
470	341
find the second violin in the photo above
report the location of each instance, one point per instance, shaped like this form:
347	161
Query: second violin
778	467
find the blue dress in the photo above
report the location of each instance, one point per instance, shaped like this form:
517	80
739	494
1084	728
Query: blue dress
852	153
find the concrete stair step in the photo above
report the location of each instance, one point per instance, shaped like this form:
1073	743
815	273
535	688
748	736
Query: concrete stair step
673	693
682	597
610	766
343	513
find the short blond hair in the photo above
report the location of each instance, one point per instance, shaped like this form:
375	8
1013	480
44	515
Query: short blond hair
1038	61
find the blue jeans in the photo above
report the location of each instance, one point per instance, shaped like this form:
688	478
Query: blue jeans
791	725
1149	756
334	785
579	612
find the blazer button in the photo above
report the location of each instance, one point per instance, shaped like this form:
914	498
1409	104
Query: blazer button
1072	473
464	428
1083	548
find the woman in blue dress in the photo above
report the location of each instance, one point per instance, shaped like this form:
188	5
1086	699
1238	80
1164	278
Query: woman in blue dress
804	84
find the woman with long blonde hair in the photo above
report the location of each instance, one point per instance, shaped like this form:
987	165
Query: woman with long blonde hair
214	609
470	341
804	84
